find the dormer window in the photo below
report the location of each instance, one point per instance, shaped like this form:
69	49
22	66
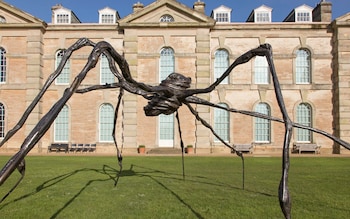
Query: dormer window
166	18
61	15
300	14
108	16
222	14
260	15
2	20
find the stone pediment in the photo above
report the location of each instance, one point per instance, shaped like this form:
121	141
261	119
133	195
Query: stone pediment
13	15
150	16
344	18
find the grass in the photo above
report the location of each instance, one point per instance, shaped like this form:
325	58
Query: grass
152	187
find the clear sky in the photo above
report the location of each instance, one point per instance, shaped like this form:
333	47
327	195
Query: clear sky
87	11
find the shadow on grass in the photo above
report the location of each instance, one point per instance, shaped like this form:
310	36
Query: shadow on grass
114	175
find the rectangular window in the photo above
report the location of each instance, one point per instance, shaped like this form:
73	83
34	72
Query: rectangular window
62	125
261	69
303	17
107	18
62	19
262	17
222	17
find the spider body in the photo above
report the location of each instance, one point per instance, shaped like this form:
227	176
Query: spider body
169	95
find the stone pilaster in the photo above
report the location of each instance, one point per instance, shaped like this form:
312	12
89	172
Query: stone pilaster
203	80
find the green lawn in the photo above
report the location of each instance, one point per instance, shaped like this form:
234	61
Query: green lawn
153	187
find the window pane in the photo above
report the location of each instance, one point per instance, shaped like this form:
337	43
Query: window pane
303	16
106	122
2	120
302	68
107	18
221	63
262	126
166	18
166	127
262	17
107	76
2	65
222	17
222	123
63	78
261	69
62	125
167	63
62	18
304	117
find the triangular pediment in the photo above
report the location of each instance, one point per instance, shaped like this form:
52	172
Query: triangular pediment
344	18
150	15
13	15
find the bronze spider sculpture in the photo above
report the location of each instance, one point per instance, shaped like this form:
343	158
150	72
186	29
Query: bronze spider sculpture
165	98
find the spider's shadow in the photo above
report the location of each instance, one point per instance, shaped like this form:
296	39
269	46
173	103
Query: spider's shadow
114	175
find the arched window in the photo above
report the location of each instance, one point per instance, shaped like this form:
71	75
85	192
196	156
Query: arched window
2	65
166	63
262	126
61	125
303	66
63	78
2	120
304	117
106	76
106	122
221	63
166	122
166	18
2	20
222	123
261	69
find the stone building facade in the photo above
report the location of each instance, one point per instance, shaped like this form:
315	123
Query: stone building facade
310	53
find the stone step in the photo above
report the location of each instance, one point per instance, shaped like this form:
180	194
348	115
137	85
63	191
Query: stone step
164	151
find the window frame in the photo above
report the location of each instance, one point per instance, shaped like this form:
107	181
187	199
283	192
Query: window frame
303	68
166	62
261	70
221	63
61	125
306	115
105	123
64	77
106	75
2	120
3	65
262	127
222	123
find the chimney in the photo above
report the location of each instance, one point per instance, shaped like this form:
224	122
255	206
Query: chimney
322	12
199	6
137	6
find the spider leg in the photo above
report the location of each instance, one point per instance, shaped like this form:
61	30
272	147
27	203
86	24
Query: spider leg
79	44
182	145
206	124
45	122
119	151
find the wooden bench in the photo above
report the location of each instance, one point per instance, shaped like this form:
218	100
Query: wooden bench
58	147
244	148
306	147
